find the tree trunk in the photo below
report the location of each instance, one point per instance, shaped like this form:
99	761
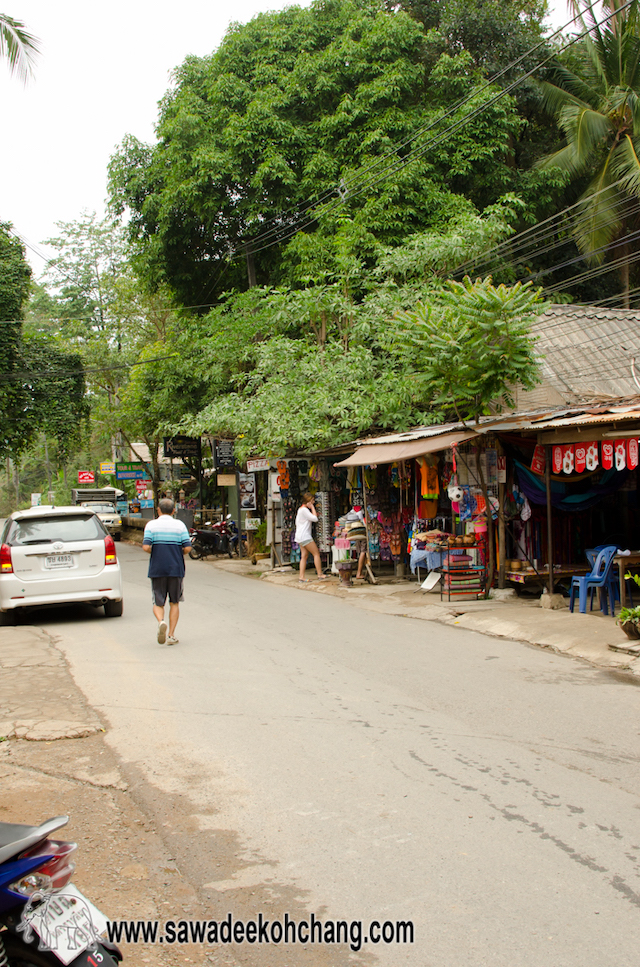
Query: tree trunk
251	268
624	275
47	463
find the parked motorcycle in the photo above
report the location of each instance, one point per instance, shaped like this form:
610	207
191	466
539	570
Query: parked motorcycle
44	919
219	538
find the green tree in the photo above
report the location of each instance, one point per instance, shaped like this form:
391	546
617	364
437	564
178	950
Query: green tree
475	347
257	140
15	277
17	46
596	101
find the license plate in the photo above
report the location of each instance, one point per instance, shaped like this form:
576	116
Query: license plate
58	560
67	923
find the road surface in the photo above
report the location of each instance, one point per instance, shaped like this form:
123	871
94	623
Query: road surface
302	755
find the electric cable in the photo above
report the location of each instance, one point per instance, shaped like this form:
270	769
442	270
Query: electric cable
437	140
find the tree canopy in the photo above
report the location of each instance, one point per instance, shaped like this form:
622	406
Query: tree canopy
298	118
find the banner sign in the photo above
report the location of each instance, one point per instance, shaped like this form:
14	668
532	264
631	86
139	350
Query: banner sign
253	466
581	457
607	455
107	468
86	476
180	447
621	454
556	459
632	453
539	461
592	455
131	471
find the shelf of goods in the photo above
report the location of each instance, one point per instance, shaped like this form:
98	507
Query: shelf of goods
461	578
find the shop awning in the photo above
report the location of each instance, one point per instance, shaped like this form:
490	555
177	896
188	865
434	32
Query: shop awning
374	453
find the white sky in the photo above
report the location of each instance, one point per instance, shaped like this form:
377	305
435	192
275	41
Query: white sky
102	70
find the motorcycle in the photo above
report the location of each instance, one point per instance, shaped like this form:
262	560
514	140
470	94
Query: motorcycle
219	538
44	919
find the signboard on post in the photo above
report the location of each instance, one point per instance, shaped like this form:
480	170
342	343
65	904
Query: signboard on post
86	477
224	455
247	491
253	466
226	480
181	447
107	468
130	471
36	500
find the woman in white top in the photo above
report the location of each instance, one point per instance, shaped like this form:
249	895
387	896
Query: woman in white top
305	518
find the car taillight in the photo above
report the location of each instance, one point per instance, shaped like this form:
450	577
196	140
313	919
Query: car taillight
55	872
109	550
6	564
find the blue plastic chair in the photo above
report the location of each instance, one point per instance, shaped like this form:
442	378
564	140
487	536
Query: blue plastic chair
601	577
592	554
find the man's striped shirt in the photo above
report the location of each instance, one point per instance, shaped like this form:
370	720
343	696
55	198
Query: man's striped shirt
167	536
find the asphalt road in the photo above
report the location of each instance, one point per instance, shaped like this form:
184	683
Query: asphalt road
302	755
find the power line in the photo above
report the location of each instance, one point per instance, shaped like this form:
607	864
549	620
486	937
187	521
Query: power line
437	140
25	375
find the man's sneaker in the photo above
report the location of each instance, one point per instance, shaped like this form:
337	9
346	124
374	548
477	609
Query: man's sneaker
172	640
162	632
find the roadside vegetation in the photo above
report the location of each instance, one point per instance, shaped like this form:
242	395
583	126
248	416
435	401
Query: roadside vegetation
349	216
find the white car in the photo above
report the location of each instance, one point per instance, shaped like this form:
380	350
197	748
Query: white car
108	515
58	555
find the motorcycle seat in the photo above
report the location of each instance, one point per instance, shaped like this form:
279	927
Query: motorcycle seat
16	838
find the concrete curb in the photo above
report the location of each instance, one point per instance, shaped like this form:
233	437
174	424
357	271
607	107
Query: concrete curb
583	636
38	699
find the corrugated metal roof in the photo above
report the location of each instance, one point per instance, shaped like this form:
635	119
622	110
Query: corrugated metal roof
588	350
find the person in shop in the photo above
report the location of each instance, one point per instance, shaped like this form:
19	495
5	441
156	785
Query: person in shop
305	519
360	542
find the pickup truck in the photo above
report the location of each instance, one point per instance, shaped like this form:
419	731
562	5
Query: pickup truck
103	503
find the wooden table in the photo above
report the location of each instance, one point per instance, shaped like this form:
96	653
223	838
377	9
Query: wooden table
542	575
624	562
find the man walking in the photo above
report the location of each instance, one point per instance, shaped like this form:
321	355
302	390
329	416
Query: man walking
167	541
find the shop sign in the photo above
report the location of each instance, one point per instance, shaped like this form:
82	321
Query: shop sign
568	458
539	461
224	454
131	471
86	476
581	457
607	455
247	491
226	480
632	453
107	468
254	466
502	470
252	523
141	485
556	461
180	447
592	455
621	454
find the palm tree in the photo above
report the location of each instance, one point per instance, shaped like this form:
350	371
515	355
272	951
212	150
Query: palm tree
597	106
17	46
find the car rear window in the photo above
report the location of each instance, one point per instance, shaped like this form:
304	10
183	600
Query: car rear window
101	508
42	530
